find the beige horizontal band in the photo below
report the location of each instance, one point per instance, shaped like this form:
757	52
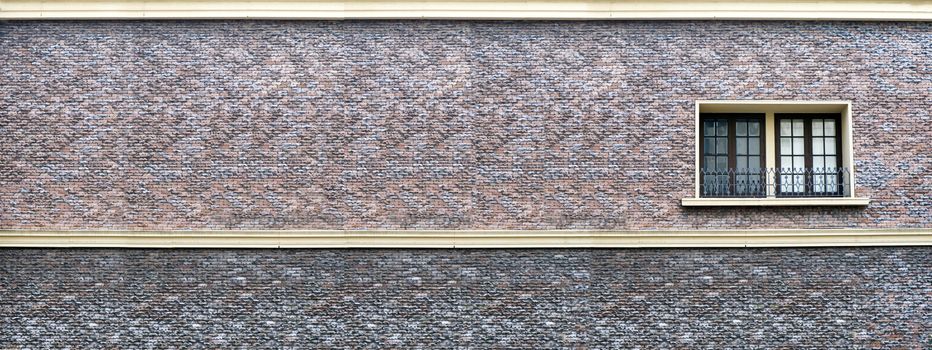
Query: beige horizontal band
905	10
465	239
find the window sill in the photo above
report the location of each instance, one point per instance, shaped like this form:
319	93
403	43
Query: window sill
774	202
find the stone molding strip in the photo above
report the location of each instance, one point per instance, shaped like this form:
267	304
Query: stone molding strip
877	10
465	238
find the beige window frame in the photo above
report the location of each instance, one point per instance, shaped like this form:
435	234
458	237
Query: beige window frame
769	109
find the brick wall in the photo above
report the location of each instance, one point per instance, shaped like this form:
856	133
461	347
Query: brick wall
432	124
827	298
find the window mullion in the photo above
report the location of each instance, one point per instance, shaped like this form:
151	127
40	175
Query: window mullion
807	149
732	156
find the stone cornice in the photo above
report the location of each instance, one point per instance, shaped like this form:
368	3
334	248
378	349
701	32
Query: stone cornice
905	10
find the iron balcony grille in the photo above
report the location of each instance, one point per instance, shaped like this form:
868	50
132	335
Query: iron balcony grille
755	182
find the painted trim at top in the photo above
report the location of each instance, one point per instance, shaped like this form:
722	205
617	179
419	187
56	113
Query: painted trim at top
877	10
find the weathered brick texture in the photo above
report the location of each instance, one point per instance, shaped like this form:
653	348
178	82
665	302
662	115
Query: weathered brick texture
826	298
433	124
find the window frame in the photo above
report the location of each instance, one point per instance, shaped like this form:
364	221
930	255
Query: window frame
807	118
770	107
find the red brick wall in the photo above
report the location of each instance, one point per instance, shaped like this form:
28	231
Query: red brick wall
459	125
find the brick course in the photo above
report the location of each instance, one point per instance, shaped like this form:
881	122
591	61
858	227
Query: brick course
825	298
433	124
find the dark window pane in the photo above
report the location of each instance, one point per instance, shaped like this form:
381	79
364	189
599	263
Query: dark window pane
708	163
722	163
709	126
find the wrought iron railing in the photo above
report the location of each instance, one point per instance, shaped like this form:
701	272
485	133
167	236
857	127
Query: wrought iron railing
754	182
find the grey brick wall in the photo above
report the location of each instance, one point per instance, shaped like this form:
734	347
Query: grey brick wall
433	124
826	298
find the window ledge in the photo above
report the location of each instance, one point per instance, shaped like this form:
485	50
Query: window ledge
775	202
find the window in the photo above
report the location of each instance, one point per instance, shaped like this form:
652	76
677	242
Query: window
774	153
808	156
732	159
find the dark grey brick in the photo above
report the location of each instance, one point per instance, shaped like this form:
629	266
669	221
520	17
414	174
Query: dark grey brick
838	298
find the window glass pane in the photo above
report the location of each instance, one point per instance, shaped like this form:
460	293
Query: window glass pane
721	128
798	145
817	145
829	145
708	163
818	163
798	127
754	145
722	163
742	162
753	128
722	145
741	145
786	163
708	145
799	163
786	128
754	163
709	126
741	128
817	127
831	163
786	145
829	127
